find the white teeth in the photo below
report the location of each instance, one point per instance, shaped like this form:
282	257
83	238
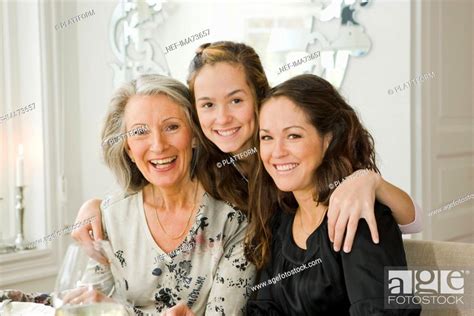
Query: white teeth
163	161
286	167
227	132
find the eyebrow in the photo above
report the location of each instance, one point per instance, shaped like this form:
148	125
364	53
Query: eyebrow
286	128
166	119
228	95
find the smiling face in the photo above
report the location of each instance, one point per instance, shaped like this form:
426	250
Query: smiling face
163	152
291	148
225	106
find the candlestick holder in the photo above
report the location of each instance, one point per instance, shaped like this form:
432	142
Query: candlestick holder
20	242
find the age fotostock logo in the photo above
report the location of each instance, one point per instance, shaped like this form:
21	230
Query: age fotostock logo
428	287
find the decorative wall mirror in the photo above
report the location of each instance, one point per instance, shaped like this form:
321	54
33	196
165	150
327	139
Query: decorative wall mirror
140	31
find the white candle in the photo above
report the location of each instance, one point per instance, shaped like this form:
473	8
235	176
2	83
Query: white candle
19	166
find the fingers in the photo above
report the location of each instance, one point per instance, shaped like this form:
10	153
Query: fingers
333	214
71	295
90	210
84	295
95	254
97	228
373	228
87	219
81	233
180	309
350	233
339	231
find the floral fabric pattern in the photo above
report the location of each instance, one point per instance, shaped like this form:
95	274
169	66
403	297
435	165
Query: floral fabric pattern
208	271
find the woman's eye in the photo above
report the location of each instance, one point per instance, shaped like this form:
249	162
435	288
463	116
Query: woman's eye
172	127
294	136
207	105
236	101
265	137
139	131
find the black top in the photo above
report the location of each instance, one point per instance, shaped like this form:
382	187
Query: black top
337	283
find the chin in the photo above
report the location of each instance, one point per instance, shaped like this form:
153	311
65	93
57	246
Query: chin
229	147
285	186
164	181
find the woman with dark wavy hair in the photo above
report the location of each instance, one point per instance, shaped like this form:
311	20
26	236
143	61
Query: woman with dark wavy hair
309	138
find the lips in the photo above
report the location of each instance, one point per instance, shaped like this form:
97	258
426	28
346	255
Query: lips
163	163
285	167
226	132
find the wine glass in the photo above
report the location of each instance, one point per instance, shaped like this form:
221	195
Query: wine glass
74	278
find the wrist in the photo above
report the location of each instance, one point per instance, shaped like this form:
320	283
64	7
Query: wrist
378	182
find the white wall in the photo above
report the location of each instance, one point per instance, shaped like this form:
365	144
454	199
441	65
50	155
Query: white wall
368	79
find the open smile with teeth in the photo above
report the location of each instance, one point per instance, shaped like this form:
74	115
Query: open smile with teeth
286	167
226	132
163	162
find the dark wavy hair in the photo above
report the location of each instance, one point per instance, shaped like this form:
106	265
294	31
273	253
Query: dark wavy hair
226	183
351	148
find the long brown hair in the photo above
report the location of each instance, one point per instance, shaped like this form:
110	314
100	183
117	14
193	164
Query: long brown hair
226	183
351	147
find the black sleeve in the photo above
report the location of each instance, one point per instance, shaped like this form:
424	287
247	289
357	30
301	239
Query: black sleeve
364	266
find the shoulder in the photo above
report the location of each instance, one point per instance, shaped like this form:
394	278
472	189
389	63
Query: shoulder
120	203
389	232
384	217
223	218
224	211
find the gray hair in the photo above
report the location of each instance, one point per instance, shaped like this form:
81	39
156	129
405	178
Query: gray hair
114	152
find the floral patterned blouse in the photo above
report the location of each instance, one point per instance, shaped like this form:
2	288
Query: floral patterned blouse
208	271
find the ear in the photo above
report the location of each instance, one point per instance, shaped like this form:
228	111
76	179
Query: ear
194	142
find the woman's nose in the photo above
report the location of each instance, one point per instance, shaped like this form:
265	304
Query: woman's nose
159	142
279	149
223	115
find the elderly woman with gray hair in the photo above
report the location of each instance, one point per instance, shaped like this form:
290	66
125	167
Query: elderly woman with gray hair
177	250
